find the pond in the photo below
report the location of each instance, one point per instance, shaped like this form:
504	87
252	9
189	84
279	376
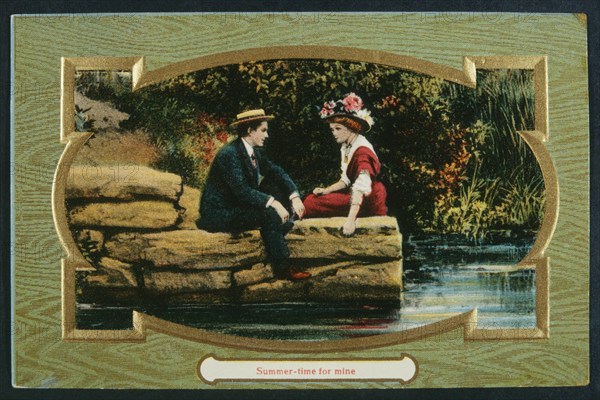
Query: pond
443	276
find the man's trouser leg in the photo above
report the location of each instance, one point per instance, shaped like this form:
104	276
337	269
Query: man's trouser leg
272	231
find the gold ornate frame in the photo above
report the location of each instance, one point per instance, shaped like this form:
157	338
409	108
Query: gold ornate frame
535	259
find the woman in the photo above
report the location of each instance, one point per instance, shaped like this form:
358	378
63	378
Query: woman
358	193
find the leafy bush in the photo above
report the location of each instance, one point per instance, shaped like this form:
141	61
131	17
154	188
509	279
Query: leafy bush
449	154
103	85
201	139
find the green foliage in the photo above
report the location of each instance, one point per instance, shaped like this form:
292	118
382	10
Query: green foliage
200	140
504	99
469	211
450	155
482	205
103	85
522	202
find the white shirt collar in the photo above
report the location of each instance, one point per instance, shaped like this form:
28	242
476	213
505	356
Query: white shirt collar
249	148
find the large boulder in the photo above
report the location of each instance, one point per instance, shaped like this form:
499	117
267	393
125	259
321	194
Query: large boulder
365	282
257	273
189	203
196	265
187	249
344	281
377	238
167	282
148	214
321	238
112	273
122	182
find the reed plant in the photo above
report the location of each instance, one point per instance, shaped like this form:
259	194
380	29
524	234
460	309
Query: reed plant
505	100
485	206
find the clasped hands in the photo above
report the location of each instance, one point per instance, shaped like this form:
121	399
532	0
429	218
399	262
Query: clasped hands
348	228
284	214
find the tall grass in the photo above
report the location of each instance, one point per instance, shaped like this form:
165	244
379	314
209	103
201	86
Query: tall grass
522	202
470	211
483	206
506	102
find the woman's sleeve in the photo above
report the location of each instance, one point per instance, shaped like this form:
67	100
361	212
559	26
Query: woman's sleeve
363	183
366	169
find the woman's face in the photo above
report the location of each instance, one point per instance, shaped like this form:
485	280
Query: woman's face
341	134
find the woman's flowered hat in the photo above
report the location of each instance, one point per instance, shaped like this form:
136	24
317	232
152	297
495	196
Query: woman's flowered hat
351	106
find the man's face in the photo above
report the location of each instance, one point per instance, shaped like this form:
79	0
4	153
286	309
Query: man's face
256	137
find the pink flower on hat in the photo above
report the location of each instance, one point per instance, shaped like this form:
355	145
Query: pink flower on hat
327	109
352	102
351	106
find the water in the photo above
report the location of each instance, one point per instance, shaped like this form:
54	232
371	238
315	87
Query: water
443	277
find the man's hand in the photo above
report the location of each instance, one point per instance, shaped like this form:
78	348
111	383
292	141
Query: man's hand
281	211
349	227
298	207
319	191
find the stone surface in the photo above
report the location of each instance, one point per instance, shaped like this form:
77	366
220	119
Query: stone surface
113	273
367	282
276	291
343	281
332	268
137	214
123	182
258	273
186	281
188	249
91	236
189	201
375	238
105	117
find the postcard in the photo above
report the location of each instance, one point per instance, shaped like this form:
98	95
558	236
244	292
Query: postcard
293	200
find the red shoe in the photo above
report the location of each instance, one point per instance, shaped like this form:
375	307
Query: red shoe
295	275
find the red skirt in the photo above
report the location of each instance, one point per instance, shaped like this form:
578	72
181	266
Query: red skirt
337	204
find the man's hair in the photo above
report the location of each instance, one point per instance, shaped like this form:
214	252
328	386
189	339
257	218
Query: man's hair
242	128
349	123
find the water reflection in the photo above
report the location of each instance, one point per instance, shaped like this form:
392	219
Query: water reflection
445	276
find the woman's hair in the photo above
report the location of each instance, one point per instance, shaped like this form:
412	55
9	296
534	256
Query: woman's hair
242	128
349	123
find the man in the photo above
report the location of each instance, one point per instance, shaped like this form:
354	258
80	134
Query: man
245	190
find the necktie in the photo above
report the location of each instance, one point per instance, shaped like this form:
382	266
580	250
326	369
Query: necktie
253	160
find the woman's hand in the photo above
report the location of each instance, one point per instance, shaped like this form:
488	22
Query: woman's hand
320	191
349	227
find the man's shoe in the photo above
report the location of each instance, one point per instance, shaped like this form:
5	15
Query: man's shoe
295	275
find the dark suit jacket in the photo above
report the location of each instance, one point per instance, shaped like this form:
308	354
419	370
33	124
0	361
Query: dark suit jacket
232	184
